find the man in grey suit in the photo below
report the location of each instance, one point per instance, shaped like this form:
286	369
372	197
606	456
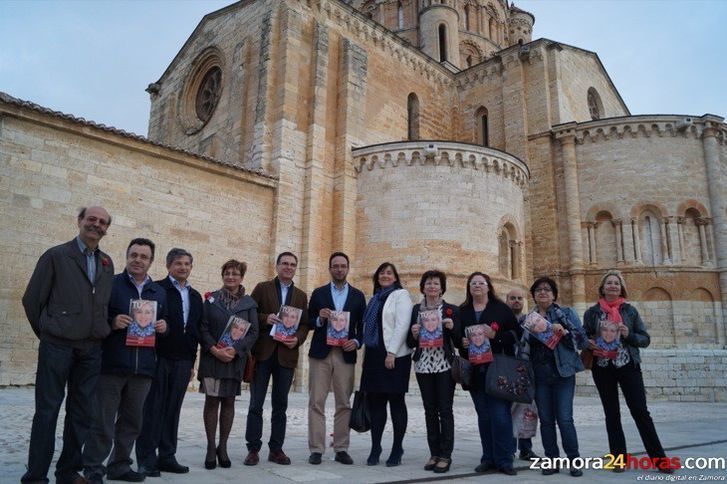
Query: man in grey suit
66	303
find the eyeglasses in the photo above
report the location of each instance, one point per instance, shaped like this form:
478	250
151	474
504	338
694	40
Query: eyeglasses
543	289
478	283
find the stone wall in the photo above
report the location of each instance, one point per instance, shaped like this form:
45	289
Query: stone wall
52	165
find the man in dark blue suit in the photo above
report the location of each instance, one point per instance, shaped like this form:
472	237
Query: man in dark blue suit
333	367
176	354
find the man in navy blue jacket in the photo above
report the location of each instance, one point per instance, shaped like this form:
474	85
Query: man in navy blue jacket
333	366
176	354
126	371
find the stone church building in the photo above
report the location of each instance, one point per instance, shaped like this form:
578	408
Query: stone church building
432	134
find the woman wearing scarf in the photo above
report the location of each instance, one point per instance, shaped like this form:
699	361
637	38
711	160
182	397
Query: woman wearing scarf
221	366
483	307
432	366
386	365
619	365
555	372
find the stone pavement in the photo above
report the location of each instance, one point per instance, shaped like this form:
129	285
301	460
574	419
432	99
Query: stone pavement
688	429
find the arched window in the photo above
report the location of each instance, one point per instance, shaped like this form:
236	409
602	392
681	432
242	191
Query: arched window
651	240
595	106
442	42
605	232
400	15
469	61
508	252
412	110
493	30
467	17
483	127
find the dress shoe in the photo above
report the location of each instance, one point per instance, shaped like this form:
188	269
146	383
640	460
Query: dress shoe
343	458
508	471
315	458
442	466
149	471
373	459
528	454
128	476
394	458
172	466
279	457
429	466
484	467
252	459
225	463
550	472
576	473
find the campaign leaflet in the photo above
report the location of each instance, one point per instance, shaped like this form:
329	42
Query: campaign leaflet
338	324
430	329
143	316
541	328
608	340
479	350
285	330
235	330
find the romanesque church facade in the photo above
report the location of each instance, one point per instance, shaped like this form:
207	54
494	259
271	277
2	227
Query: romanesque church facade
426	133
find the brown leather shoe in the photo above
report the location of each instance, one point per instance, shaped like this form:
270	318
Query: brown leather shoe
279	457
252	459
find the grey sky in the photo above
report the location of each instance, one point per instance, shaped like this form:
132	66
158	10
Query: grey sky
94	59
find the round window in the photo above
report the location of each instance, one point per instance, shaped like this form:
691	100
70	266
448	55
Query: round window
208	94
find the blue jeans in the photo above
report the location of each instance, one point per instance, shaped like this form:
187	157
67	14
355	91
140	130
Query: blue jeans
58	366
495	425
554	398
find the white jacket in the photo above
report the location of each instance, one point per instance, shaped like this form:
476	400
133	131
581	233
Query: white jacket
395	319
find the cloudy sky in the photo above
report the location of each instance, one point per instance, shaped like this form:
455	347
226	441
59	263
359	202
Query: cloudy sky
94	59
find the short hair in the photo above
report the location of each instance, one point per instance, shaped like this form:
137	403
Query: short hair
338	254
141	241
490	288
176	253
548	281
234	264
434	274
613	272
283	254
383	266
82	214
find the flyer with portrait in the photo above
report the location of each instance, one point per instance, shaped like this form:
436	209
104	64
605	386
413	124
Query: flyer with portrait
338	324
608	340
140	331
541	328
479	350
285	330
235	330
430	329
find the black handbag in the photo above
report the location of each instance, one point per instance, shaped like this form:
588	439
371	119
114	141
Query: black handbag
510	379
360	414
461	371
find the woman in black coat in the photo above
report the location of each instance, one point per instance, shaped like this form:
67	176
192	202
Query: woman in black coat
432	365
223	356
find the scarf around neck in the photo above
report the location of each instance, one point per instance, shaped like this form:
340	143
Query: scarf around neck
612	309
371	328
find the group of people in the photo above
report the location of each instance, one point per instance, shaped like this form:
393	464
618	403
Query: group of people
121	395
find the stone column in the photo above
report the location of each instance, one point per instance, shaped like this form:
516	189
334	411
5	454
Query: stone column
591	237
637	240
701	224
674	240
680	229
714	128
567	140
628	241
619	242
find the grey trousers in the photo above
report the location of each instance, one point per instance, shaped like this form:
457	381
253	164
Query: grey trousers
117	421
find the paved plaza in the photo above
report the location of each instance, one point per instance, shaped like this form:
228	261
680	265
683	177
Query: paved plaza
686	429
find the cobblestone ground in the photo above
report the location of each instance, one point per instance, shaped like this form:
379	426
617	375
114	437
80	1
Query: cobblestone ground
689	429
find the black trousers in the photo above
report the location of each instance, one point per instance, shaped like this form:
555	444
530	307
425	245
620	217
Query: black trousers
399	418
161	412
629	378
282	379
437	391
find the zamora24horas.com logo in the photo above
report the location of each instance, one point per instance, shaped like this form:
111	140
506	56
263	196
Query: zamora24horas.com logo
627	461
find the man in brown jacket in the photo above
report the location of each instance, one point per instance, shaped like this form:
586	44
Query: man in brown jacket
276	359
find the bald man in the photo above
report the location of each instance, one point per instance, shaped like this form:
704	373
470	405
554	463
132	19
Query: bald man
516	300
66	303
